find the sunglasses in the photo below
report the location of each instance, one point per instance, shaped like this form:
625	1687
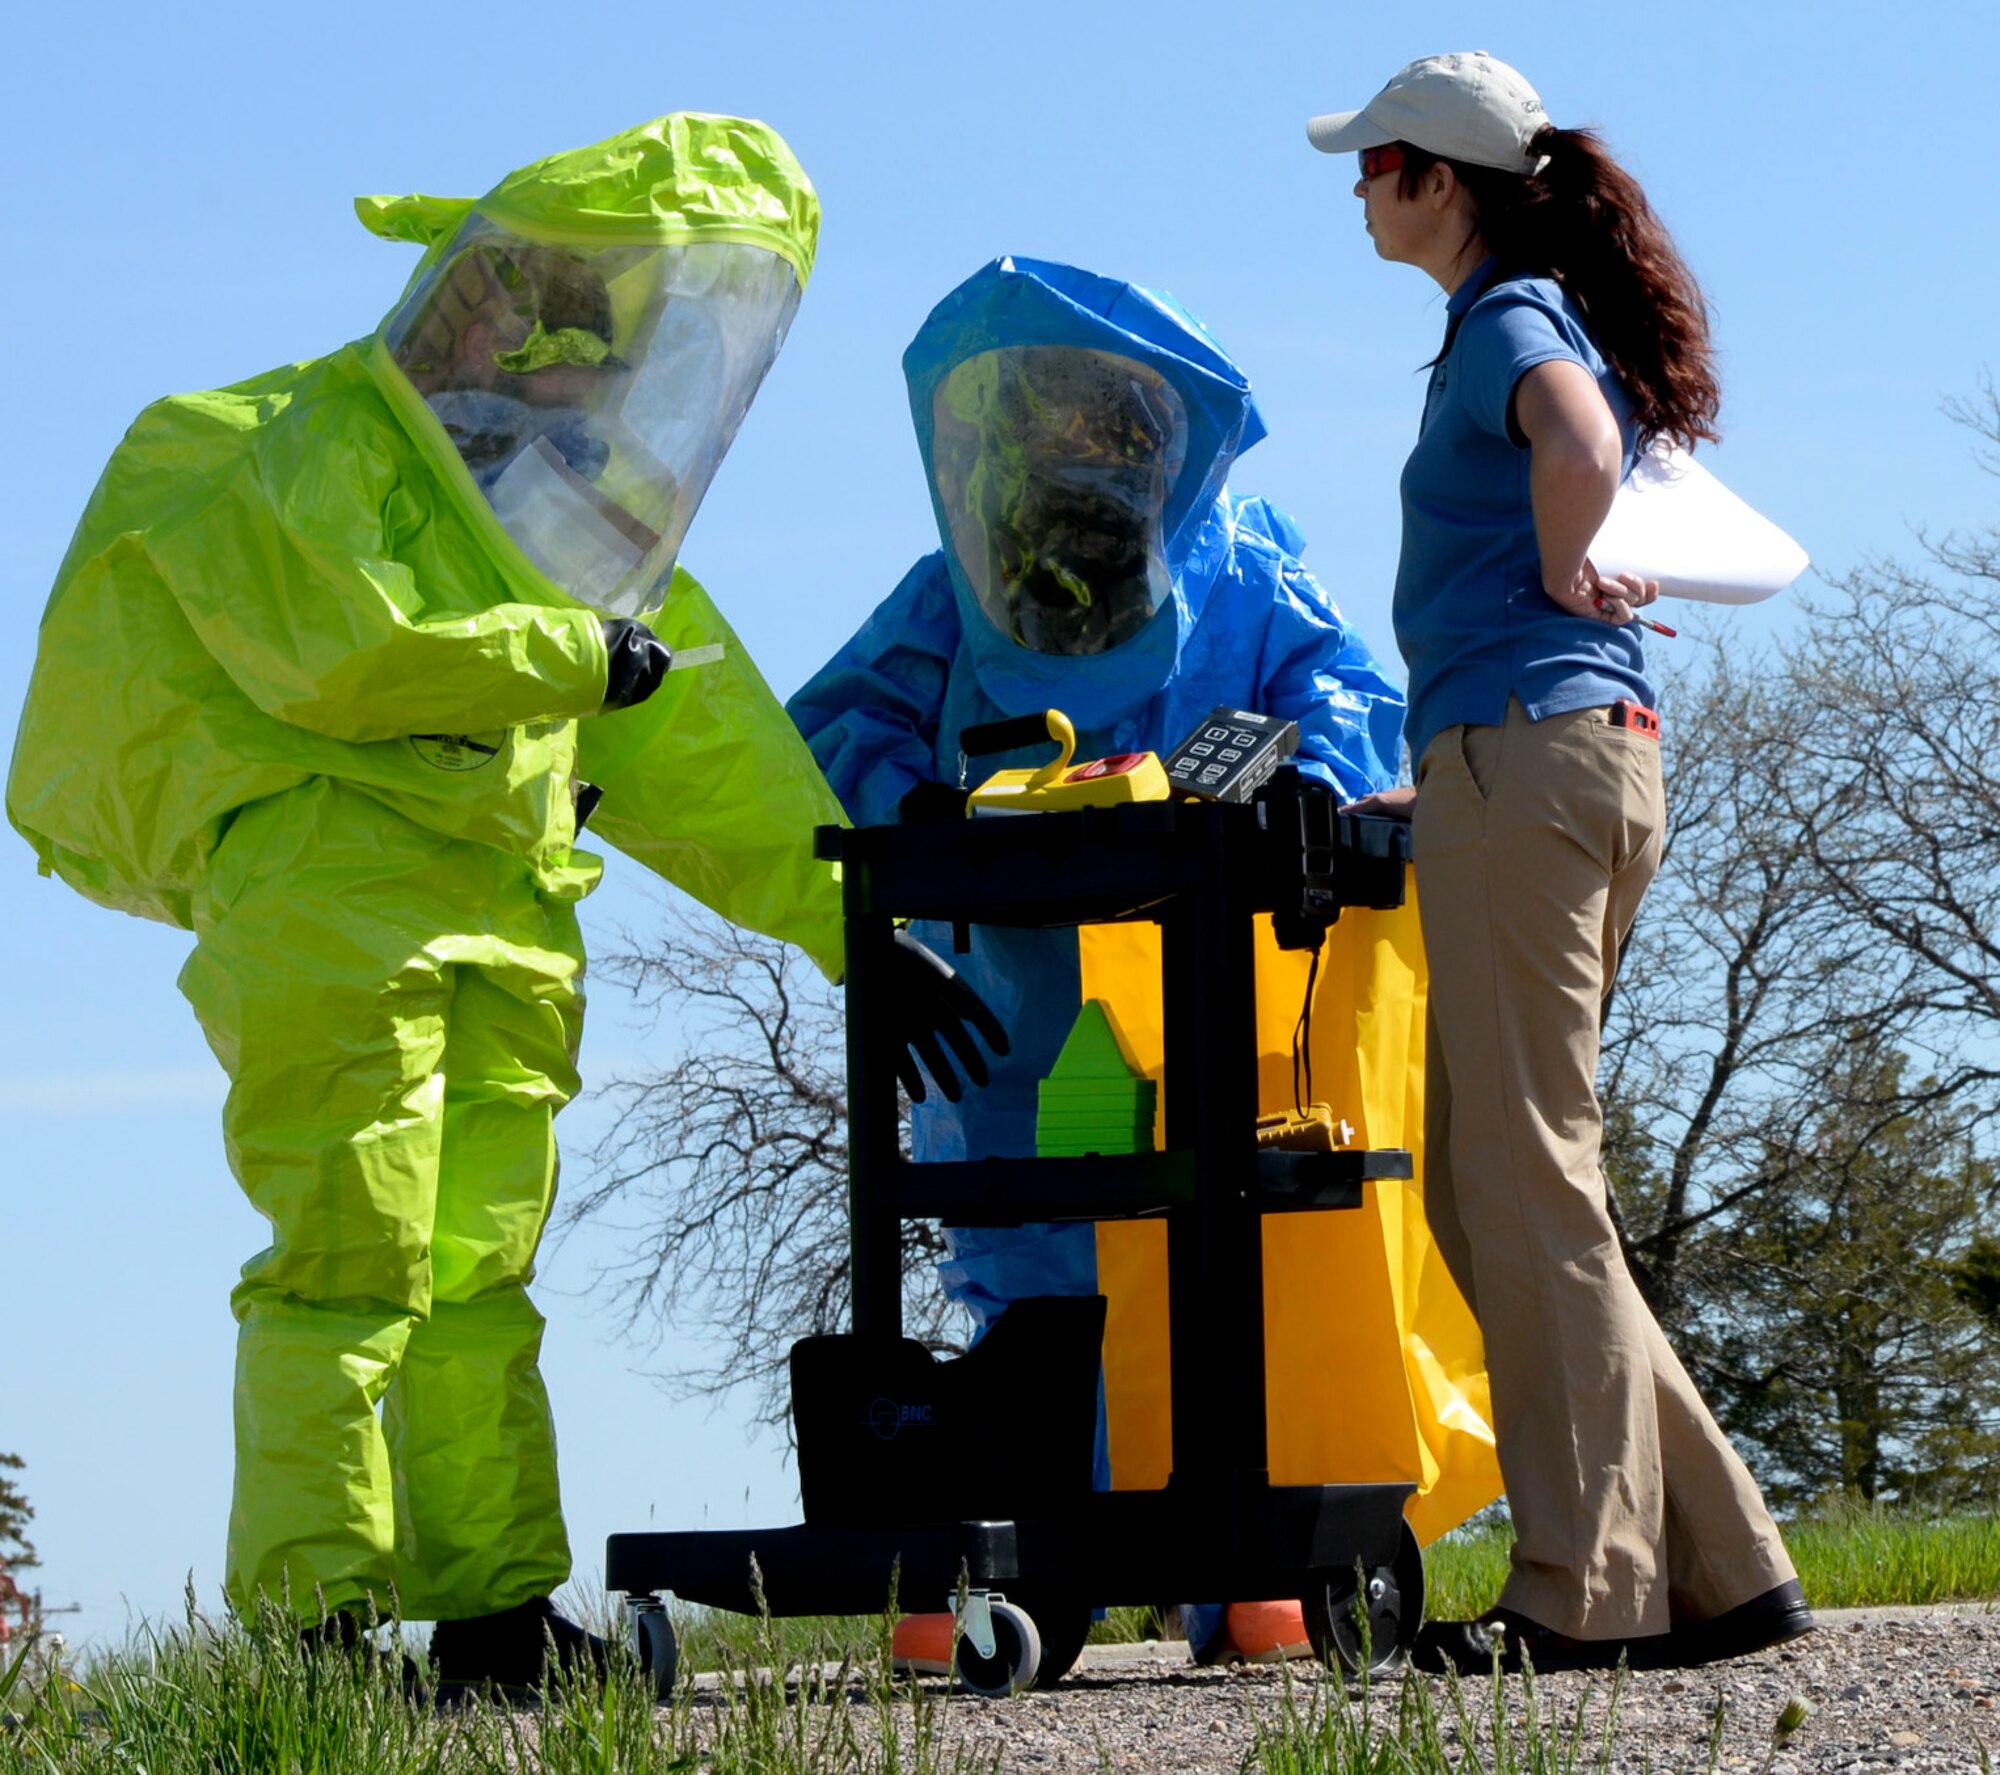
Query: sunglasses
1376	161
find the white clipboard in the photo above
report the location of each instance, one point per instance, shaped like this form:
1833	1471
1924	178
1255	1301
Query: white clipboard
1675	522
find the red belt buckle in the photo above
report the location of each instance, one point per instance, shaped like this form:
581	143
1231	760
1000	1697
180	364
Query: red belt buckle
1640	719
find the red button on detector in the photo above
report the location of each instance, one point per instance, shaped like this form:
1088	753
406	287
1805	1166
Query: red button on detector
1115	766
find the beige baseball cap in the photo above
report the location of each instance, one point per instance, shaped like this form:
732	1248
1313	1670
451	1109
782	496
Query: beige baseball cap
1469	107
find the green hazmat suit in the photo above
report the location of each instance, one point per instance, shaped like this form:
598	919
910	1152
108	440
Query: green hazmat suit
304	689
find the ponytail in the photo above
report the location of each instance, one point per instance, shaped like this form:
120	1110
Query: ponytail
1583	221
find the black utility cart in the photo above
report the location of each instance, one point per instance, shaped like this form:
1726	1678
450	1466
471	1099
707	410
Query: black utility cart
970	1479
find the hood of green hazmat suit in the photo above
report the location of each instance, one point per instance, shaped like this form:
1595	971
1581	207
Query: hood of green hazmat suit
390	565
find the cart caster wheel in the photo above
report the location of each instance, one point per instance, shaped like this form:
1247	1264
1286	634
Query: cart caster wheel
1393	1605
1016	1660
657	1648
1064	1624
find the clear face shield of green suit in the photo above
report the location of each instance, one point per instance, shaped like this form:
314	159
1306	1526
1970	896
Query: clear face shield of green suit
592	392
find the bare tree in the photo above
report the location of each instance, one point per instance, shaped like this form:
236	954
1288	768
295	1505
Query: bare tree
1807	1205
1801	1059
1900	790
1738	978
727	1170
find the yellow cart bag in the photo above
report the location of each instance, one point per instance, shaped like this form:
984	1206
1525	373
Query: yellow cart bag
1374	1365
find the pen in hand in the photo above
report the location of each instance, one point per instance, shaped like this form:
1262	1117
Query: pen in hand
1646	622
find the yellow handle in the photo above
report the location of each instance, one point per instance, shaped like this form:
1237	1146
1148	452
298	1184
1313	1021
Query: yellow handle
1064	736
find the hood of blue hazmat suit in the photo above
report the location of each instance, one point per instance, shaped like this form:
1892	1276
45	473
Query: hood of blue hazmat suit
1076	434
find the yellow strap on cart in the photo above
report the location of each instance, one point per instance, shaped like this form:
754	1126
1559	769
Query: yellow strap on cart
1374	1365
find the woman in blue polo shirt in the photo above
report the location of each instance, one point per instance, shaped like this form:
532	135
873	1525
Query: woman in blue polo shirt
1575	336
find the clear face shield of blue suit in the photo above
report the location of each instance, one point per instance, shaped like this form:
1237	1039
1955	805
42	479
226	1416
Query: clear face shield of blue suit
1053	466
591	393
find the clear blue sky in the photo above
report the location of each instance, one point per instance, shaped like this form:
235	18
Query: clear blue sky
177	216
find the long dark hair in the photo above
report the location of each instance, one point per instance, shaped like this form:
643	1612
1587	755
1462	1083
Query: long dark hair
1583	221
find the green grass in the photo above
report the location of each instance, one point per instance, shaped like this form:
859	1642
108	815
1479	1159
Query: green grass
1848	1557
203	1699
1126	1627
1439	1729
713	1641
1875	1557
1434	1729
816	1697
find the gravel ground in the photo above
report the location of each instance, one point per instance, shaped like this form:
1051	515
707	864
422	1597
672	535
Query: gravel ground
1910	1690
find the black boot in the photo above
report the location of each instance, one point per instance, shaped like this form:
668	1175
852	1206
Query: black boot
507	1652
341	1633
335	1631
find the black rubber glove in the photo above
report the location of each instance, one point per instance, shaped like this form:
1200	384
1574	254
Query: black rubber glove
931	1001
930	804
639	662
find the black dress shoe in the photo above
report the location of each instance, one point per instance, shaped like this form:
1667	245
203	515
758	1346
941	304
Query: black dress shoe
1469	1647
1764	1621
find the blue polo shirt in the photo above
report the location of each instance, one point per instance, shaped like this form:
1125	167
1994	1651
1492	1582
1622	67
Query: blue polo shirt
1472	620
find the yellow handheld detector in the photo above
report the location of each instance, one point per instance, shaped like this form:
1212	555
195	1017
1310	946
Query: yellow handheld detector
1060	785
1312	1129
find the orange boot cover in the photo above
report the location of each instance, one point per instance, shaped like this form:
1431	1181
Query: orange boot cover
922	1645
1268	1632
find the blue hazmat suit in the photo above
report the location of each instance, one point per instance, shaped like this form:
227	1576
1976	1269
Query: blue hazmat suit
1237	620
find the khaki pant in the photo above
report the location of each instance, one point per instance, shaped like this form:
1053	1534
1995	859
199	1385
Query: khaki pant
1535	842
